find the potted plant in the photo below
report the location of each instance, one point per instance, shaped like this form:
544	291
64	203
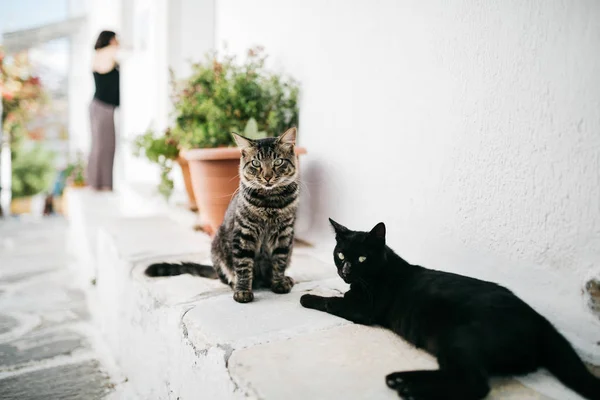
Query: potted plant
163	150
75	173
223	96
32	172
22	96
72	177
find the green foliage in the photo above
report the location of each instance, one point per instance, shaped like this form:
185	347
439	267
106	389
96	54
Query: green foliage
222	96
161	150
76	171
156	147
251	131
32	170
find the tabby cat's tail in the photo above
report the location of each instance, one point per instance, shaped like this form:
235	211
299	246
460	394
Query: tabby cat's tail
172	269
562	361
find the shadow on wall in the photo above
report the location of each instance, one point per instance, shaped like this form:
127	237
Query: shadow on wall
314	180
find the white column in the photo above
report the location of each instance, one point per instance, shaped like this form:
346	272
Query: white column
191	32
5	172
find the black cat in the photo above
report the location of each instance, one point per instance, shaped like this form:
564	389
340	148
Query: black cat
476	329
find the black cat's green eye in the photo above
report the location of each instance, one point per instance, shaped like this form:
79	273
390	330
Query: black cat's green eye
278	162
255	163
341	256
362	259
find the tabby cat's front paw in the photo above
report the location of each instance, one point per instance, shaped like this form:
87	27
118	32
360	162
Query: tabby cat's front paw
243	296
283	286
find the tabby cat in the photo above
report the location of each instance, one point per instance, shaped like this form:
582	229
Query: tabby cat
476	329
253	245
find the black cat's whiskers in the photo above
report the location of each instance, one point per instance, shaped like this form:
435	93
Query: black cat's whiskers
237	176
305	188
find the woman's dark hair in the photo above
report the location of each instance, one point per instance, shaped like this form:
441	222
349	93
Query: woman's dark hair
104	39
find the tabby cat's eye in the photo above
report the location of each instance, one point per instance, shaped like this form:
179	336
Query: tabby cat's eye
255	163
341	256
362	259
278	162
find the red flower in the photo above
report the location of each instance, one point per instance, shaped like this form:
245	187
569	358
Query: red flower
8	95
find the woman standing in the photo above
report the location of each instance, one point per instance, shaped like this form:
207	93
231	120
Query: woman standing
102	112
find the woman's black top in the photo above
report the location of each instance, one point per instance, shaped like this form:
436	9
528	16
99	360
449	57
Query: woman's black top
107	87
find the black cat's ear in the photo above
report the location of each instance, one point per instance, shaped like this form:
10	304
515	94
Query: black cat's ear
242	142
378	231
340	230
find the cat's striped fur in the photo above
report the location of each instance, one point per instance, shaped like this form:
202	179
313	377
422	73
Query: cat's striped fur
253	245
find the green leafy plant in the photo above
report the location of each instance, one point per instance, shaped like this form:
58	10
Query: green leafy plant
32	170
223	96
160	149
75	172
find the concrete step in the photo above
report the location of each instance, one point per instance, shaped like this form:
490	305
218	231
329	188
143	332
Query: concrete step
184	337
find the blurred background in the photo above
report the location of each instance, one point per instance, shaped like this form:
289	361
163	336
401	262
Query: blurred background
35	116
471	128
474	124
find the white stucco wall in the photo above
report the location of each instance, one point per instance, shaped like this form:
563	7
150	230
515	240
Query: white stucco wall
191	33
470	122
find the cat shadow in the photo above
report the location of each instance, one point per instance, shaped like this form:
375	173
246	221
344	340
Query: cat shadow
314	179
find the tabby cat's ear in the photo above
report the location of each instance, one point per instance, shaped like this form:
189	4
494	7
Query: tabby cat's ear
378	231
340	230
242	142
289	137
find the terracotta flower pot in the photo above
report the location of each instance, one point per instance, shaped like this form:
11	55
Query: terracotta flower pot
21	205
215	179
187	180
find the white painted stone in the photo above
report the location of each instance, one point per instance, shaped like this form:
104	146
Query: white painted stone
144	237
178	290
348	362
220	320
146	335
182	337
171	318
86	211
305	268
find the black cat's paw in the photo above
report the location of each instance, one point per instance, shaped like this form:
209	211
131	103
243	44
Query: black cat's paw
311	301
394	380
407	388
283	286
243	296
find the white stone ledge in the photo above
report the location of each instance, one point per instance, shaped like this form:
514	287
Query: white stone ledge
184	337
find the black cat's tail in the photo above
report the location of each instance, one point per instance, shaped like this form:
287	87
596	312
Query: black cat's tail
562	361
172	269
